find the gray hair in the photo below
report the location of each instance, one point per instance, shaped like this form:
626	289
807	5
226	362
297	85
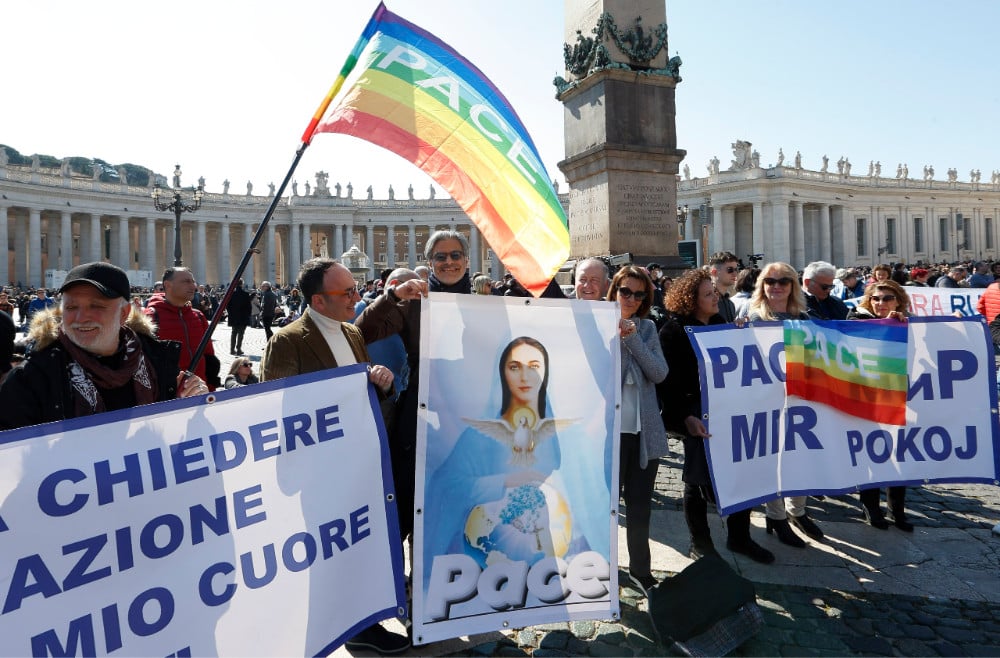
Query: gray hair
820	267
590	261
438	236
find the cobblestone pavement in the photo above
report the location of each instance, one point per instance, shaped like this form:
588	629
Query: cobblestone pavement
862	592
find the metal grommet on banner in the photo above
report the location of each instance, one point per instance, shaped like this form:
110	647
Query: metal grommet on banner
614	512
506	624
527	302
390	497
418	510
210	398
614	615
423	405
400	612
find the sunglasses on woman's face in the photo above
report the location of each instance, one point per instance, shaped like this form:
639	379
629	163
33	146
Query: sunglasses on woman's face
783	281
628	293
883	298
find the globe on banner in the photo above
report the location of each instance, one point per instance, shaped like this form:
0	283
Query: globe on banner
528	524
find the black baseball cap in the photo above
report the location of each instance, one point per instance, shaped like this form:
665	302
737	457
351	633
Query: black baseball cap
110	280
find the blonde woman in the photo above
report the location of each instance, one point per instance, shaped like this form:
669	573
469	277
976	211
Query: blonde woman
482	285
778	296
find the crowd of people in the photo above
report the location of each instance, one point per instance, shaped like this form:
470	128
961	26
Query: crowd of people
99	345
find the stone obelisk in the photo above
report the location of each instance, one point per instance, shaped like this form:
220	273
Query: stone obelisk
621	140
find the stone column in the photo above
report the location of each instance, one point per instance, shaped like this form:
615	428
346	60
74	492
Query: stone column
20	249
305	247
35	247
411	248
474	256
225	254
294	248
271	273
390	246
53	243
798	236
758	227
370	250
781	247
200	251
66	239
124	244
96	242
825	248
338	241
723	230
5	276
147	255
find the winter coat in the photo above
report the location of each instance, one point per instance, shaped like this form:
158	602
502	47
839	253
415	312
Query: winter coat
38	390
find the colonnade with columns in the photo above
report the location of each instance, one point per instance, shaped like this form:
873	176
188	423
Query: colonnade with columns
45	228
796	218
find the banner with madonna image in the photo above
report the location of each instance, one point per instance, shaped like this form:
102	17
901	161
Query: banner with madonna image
517	459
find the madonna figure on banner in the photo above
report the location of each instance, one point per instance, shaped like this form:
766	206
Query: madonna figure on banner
497	495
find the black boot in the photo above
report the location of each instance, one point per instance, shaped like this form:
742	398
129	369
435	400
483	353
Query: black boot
897	504
696	516
871	503
739	540
785	533
806	525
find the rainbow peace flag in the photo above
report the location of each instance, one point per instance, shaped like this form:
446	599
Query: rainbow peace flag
412	94
858	368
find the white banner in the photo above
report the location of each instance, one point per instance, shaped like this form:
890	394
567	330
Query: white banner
938	301
765	444
517	464
234	525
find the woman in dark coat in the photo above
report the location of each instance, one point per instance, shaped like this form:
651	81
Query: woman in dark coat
693	300
238	312
884	300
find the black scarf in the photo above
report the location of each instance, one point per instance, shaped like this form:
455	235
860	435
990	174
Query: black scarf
463	286
89	375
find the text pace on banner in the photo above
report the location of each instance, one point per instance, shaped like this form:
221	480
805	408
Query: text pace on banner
517	459
412	94
766	443
233	527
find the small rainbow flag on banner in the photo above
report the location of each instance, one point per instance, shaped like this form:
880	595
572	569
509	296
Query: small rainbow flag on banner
412	94
858	368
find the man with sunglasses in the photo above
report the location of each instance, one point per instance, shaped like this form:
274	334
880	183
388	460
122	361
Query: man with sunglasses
398	312
817	283
724	266
321	338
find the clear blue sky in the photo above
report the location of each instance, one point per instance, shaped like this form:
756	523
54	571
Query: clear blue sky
897	81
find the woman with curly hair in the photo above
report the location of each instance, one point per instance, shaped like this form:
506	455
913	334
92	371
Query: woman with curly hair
643	438
778	296
885	300
693	300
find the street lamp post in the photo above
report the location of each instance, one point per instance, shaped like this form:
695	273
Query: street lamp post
178	207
